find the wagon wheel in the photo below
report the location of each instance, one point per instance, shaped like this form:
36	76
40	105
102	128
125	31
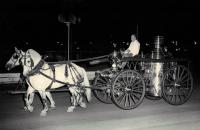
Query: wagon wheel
177	85
103	84
128	89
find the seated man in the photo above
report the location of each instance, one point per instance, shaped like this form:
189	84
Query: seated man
132	50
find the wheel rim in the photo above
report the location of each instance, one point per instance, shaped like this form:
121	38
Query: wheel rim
103	84
177	85
128	90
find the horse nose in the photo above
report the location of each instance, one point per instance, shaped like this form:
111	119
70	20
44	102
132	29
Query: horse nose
8	66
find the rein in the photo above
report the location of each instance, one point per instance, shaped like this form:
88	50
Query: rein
72	69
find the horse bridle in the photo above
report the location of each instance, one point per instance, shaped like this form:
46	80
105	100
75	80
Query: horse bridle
24	58
16	57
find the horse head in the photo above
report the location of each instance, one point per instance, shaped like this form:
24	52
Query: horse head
14	59
29	60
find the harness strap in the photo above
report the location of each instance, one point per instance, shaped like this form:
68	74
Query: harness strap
77	74
36	68
53	80
71	68
71	73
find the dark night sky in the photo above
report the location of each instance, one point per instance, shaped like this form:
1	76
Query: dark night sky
36	21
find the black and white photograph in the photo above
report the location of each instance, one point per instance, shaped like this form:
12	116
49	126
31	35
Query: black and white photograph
99	65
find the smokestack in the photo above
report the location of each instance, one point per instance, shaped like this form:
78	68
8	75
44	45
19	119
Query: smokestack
158	45
157	67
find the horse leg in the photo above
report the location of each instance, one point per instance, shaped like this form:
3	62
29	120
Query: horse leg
73	99
86	83
49	96
29	96
44	101
88	94
80	101
79	97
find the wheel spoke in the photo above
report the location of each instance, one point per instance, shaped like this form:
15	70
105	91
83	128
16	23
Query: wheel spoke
181	74
180	98
126	99
170	75
121	82
185	76
132	79
121	98
169	79
133	98
129	99
167	85
175	94
138	87
137	91
135	84
185	81
119	87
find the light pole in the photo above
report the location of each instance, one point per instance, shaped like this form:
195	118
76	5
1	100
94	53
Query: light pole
62	19
72	19
137	35
68	39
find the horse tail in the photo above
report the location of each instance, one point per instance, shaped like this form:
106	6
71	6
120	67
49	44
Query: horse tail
86	83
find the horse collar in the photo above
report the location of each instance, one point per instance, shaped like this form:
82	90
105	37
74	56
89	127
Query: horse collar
36	69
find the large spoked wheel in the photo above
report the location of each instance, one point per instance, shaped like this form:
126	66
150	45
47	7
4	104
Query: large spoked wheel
103	84
128	89
177	85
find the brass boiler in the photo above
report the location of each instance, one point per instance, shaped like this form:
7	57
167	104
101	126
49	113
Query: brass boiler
156	68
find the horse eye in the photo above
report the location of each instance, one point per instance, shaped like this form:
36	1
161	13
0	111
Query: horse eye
15	56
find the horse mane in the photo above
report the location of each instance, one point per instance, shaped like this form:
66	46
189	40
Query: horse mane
36	57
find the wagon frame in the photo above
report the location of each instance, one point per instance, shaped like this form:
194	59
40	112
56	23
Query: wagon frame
127	88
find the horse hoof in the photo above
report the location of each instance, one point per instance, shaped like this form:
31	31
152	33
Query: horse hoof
43	113
70	109
30	109
25	108
52	108
83	105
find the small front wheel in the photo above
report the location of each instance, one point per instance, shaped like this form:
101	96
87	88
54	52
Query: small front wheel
103	84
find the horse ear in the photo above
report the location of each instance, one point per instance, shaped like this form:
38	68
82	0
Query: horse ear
16	50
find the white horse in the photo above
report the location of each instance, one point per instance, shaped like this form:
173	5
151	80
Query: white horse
41	76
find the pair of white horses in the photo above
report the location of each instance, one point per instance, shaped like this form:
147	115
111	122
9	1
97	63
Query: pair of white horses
40	76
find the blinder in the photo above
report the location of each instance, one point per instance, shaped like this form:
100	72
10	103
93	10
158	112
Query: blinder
24	60
15	58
